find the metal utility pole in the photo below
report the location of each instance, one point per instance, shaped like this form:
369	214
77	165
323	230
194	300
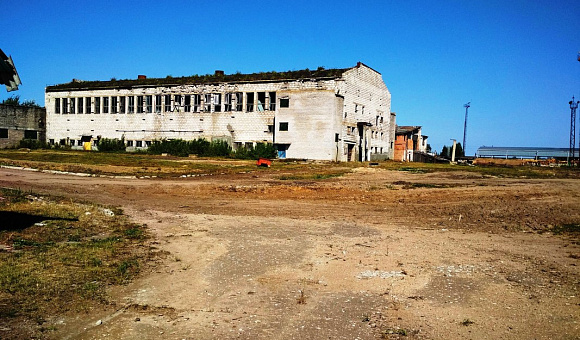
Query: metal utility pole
572	151
466	106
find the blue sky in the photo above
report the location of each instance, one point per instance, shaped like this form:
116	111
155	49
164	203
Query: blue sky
515	61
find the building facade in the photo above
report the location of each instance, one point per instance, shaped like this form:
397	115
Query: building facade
408	142
335	114
21	122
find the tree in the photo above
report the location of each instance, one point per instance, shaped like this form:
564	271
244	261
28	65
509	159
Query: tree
445	151
15	100
459	151
428	148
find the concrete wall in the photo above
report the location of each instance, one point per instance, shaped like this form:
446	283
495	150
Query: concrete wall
16	120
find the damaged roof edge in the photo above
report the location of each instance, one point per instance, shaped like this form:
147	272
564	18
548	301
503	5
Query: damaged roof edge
318	74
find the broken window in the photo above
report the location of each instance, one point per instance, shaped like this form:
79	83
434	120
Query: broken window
272	101
80	104
56	105
270	128
158	103
122	101
140	104
131	106
283	126
72	105
87	104
30	134
4	132
249	101
187	103
217	102
207	102
167	103
196	102
239	101
284	102
228	102
130	143
261	101
105	104
139	143
97	105
149	103
114	104
177	102
148	143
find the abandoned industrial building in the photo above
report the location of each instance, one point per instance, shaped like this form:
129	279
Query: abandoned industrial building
21	122
323	114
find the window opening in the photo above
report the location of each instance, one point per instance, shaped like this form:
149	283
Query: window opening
139	143
261	101
140	104
97	105
272	101
284	102
130	143
187	100
149	103
196	102
131	106
114	106
87	104
56	105
158	103
283	126
239	101
80	105
30	134
167	103
228	102
122	101
72	105
3	133
207	102
105	104
217	102
177	102
249	101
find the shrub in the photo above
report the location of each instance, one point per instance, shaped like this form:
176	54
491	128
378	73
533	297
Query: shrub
112	145
32	144
262	150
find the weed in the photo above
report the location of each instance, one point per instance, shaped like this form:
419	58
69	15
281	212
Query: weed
301	300
467	322
394	331
572	228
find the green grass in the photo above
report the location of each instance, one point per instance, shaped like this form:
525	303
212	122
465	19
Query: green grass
63	264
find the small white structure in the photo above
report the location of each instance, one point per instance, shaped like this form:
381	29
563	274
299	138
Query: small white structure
335	114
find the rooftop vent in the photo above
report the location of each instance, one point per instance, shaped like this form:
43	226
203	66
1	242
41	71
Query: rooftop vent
141	76
219	72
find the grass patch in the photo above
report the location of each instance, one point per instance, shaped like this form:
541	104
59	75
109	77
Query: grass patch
64	263
572	228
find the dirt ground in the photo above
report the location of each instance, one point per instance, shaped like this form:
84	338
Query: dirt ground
368	255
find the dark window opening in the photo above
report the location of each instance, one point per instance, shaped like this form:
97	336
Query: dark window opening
228	102
207	102
30	134
196	102
167	103
65	105
239	101
97	105
149	103
130	143
284	126
272	101
122	104
187	103
3	133
72	105
80	104
139	143
250	101
87	104
177	102
131	108
217	102
284	102
105	104
158	103
261	101
114	104
270	128
57	105
140	108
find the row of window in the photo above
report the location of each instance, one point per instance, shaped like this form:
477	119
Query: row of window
28	134
208	102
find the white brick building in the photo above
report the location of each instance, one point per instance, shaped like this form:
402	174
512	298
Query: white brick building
336	114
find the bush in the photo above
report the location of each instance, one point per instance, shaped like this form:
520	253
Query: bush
32	144
182	148
262	150
112	145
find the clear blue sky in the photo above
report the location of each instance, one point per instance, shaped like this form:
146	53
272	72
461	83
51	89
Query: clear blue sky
514	60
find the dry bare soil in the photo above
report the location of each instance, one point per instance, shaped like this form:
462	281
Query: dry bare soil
371	254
